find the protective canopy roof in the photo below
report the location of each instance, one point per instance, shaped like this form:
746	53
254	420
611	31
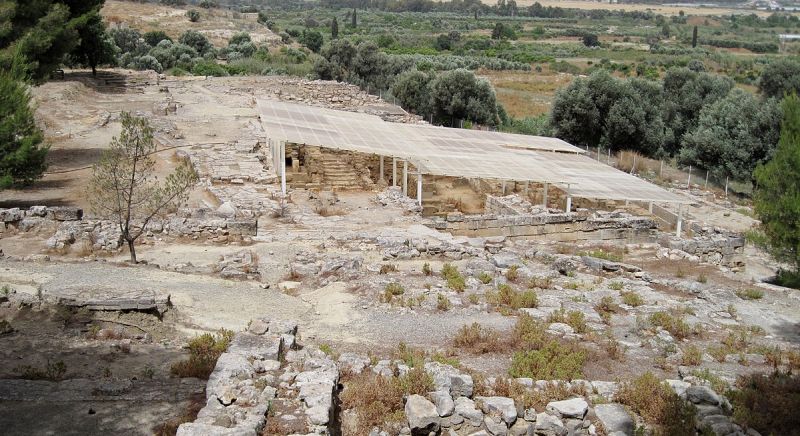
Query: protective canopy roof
458	152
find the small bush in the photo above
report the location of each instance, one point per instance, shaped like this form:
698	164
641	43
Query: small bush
602	254
701	278
392	290
512	275
426	269
529	332
631	298
388	268
457	283
442	303
768	403
577	320
750	294
448	270
552	361
616	286
209	68
674	324
204	351
659	405
485	278
540	282
477	339
507	297
193	15
692	356
474	298
52	371
607	307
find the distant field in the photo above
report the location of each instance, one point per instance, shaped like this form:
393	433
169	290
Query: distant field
219	25
664	10
526	93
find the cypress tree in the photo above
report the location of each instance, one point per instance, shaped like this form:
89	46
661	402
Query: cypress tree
355	19
334	28
694	37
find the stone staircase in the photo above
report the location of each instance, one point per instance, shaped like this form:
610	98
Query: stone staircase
338	174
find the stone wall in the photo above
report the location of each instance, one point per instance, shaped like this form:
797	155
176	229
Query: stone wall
512	217
726	249
65	227
250	386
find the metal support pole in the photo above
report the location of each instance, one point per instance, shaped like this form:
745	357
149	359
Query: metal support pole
405	177
394	171
633	168
526	189
598	153
419	187
650	207
689	181
706	179
661	171
569	203
283	167
381	170
680	221
609	157
726	187
503	184
544	196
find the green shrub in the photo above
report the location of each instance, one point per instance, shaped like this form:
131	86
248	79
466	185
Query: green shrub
392	290
617	286
485	278
602	254
209	68
750	294
768	403
204	351
674	324
632	298
457	283
52	371
659	405
388	268
442	303
477	339
692	356
552	361
426	269
513	273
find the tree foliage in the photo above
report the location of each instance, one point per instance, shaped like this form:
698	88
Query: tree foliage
124	187
780	77
312	39
41	32
733	135
777	197
460	95
412	89
96	47
334	28
22	157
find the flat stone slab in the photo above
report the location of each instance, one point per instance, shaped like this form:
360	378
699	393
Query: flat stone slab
108	299
615	418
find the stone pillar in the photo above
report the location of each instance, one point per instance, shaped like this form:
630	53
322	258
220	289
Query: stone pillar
405	177
419	187
295	161
283	167
680	221
394	171
544	195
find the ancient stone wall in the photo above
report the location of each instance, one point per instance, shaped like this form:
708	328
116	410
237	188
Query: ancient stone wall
724	249
66	226
513	217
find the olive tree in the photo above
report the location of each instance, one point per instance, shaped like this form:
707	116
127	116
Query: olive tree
780	77
460	95
124	187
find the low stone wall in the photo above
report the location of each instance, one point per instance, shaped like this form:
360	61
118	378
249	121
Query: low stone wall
521	221
66	226
718	249
249	381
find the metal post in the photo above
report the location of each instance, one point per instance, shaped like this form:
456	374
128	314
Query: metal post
503	184
283	167
706	179
381	171
598	153
633	168
394	171
544	196
680	221
526	189
650	207
405	177
569	203
726	187
419	187
689	182
609	157
661	171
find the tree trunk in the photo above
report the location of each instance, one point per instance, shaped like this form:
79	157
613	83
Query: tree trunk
132	251
94	71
